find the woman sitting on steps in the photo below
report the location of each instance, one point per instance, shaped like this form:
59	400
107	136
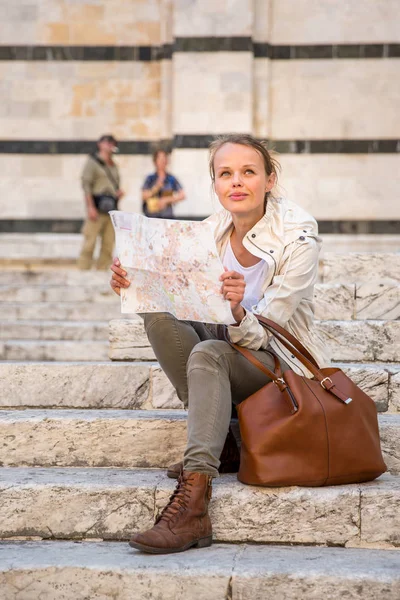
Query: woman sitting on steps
269	248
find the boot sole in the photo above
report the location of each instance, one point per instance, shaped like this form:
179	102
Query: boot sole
172	475
201	543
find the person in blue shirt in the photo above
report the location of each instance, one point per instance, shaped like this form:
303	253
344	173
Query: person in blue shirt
161	190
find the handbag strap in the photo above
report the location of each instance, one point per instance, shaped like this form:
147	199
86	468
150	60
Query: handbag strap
275	329
284	337
107	171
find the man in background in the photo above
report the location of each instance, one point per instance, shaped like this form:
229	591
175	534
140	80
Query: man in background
101	185
161	190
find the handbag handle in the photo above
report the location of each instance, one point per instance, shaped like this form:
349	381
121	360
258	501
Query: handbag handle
285	338
274	328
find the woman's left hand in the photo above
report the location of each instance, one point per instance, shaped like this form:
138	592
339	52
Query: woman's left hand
233	288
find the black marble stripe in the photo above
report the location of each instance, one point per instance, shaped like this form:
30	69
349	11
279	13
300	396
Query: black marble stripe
75	225
198	44
386	146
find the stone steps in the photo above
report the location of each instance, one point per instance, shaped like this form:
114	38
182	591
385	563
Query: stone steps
347	341
66	570
61	311
54	330
111	503
142	385
118	438
382	267
55	350
333	301
58	293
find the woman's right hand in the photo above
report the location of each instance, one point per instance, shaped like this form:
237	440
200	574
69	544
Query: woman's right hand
118	279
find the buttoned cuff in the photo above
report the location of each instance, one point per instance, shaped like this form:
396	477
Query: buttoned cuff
238	332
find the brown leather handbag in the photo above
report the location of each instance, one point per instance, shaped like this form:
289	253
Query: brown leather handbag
307	432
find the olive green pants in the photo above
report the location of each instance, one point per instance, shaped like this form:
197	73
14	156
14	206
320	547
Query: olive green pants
208	375
91	231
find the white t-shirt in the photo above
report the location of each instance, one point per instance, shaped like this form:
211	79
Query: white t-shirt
254	277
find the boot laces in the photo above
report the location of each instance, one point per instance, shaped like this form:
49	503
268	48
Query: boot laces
178	502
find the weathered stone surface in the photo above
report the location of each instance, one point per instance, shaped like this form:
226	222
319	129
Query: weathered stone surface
105	571
394	392
122	438
54	330
315	573
380	514
361	267
74	385
128	340
377	301
346	340
58	293
334	301
389	428
54	350
102	438
61	311
373	380
112	503
65	570
56	277
76	503
163	393
362	341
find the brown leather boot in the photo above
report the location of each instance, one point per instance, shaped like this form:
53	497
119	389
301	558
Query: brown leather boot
230	459
184	522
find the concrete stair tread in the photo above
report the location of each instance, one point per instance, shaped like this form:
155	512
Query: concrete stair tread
102	384
346	341
118	438
36	330
65	503
62	311
63	570
52	350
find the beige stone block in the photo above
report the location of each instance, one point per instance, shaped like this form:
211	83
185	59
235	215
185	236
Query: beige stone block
74	385
315	573
389	428
54	330
38	166
77	503
65	350
302	89
126	110
68	570
56	33
377	301
63	311
261	100
296	515
329	22
209	18
362	341
383	267
262	20
102	438
394	392
191	168
373	380
381	497
335	186
334	301
162	392
217	81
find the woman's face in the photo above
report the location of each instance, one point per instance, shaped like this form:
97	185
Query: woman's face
161	161
240	179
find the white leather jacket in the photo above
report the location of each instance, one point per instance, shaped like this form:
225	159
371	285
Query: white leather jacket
287	239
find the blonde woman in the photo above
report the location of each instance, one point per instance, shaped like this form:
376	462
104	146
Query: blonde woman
269	247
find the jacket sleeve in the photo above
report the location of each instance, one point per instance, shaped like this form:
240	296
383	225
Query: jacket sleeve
294	282
88	177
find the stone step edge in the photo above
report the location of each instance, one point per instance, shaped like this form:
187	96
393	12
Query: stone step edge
82	499
238	572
